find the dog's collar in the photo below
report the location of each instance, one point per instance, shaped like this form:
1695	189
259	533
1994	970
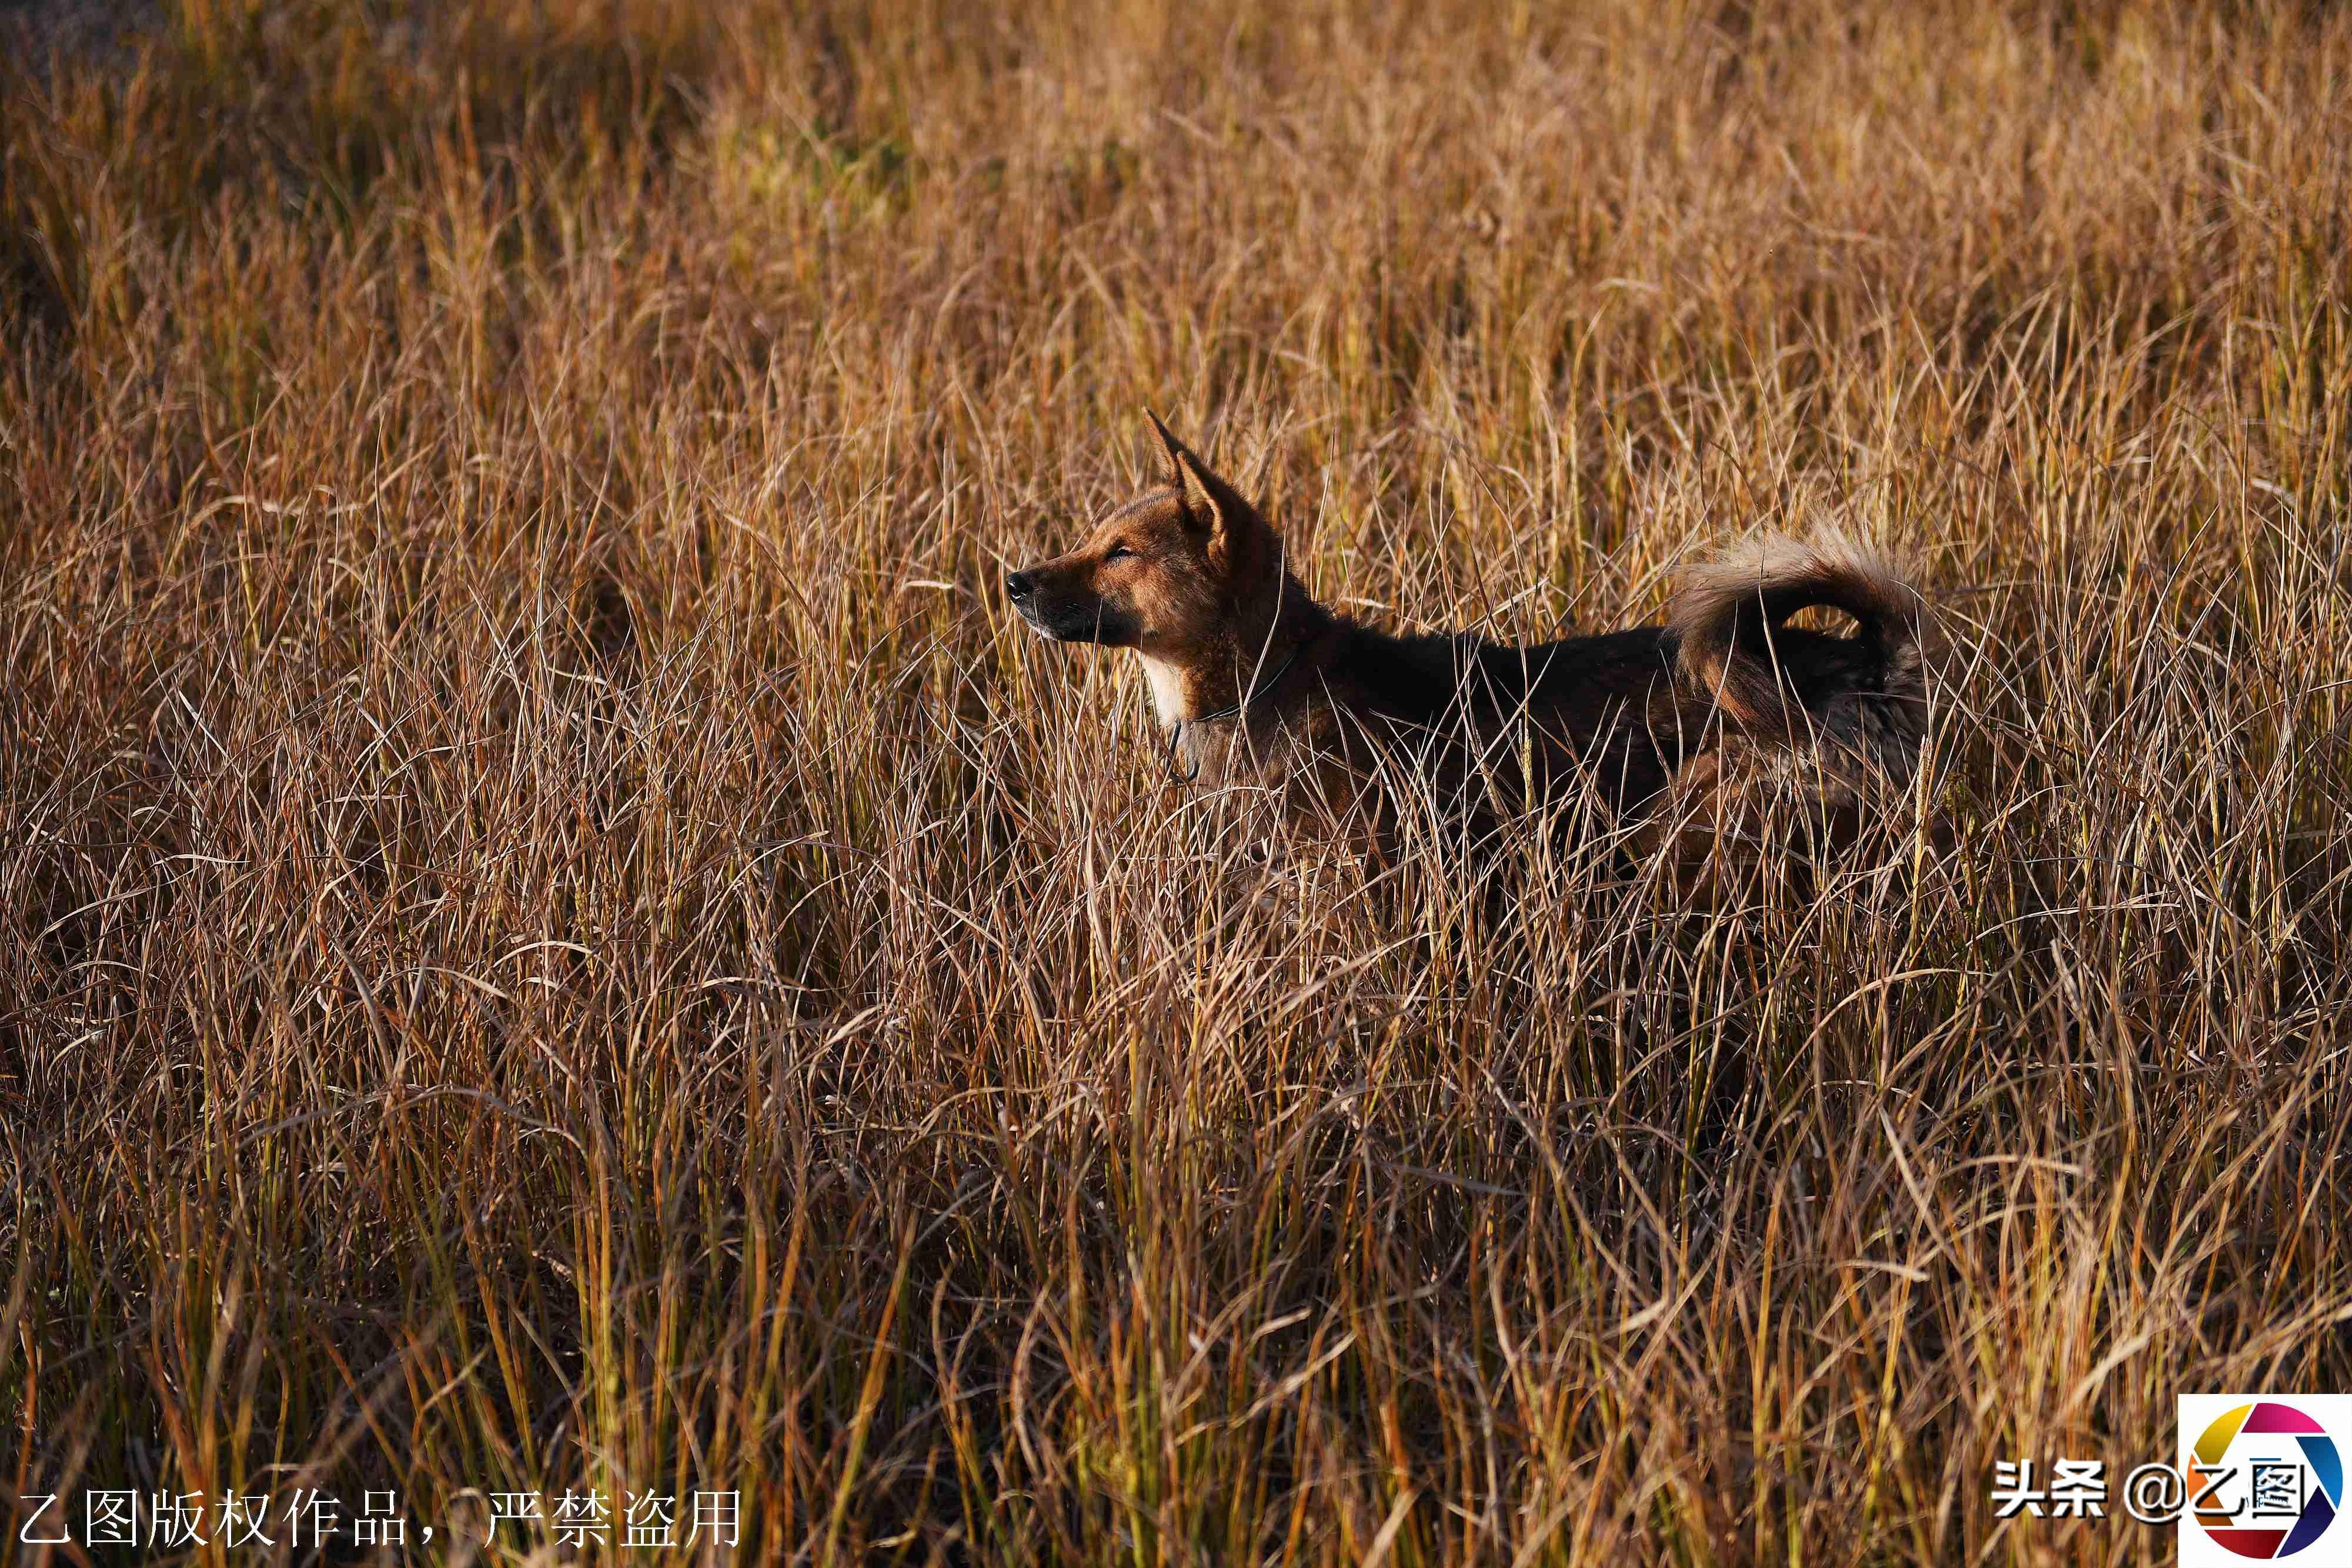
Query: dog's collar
1257	690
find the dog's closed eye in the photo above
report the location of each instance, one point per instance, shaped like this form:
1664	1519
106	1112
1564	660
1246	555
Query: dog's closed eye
1117	552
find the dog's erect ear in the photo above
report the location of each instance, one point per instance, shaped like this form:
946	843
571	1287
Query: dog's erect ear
1183	471
1212	503
1211	506
1171	455
1240	541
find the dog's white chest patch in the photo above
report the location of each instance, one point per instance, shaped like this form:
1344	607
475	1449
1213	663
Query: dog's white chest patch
1166	688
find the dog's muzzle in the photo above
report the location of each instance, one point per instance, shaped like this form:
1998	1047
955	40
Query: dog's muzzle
1063	619
1020	587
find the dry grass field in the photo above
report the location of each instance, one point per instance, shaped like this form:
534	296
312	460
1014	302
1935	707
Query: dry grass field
557	936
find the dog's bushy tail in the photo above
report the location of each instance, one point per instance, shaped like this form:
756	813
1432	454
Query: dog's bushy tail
1730	608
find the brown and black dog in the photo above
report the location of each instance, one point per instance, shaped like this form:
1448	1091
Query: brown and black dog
1260	684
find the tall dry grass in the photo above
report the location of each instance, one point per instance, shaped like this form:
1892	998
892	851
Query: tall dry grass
558	936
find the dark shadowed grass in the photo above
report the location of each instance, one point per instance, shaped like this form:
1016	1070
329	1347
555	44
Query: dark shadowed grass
558	936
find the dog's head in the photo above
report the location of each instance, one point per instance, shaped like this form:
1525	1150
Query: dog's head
1164	573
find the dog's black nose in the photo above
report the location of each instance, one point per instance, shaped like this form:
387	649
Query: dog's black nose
1019	584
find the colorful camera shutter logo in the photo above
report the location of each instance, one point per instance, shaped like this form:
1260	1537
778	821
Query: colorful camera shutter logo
2265	1478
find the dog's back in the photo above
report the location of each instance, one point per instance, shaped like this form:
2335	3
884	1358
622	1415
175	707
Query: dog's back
1623	711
